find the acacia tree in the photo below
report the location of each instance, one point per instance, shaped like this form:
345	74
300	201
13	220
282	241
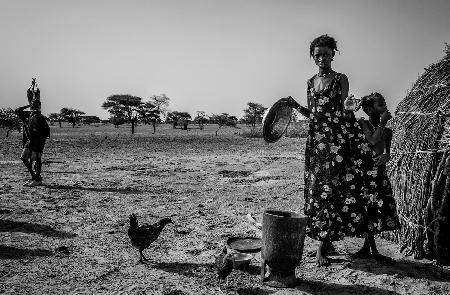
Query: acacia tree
9	120
223	119
178	118
90	120
72	116
201	119
55	117
161	102
124	106
171	117
149	114
184	118
254	113
117	120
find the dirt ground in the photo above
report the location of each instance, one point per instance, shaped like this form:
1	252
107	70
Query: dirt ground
70	235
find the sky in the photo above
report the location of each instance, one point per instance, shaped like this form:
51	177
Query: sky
210	55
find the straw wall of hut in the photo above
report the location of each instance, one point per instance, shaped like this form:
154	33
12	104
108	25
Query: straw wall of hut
421	134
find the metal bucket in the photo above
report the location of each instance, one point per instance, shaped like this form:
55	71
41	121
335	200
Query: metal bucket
283	237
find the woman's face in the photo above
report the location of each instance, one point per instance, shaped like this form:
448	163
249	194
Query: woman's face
323	56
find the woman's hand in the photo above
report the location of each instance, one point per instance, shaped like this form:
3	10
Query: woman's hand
351	103
290	102
381	159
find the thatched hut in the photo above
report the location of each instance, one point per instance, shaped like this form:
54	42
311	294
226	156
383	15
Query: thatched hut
421	136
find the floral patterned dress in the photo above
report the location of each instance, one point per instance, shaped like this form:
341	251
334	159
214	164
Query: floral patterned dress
380	208
336	176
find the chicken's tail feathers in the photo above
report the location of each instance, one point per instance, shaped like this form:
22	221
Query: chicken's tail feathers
133	220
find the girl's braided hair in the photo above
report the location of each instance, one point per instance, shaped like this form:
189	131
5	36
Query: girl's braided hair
368	100
325	41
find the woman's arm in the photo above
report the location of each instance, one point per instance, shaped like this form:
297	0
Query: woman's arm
292	103
344	94
344	87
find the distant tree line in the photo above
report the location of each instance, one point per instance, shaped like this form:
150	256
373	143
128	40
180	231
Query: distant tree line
126	108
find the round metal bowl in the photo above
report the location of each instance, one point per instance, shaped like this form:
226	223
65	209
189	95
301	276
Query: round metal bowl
276	121
241	259
245	244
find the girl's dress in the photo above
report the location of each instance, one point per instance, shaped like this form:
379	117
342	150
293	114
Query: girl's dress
336	176
380	208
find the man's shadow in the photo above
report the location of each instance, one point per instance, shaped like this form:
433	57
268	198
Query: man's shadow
94	189
8	252
27	227
404	268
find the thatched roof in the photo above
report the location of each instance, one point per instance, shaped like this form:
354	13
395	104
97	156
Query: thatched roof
419	135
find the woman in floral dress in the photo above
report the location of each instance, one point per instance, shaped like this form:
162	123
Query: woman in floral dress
335	156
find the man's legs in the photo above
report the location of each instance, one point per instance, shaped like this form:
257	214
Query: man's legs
37	158
26	159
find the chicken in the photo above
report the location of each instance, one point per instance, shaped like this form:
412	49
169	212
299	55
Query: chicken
142	236
224	265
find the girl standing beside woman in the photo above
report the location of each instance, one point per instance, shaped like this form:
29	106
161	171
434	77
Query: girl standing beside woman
335	155
381	213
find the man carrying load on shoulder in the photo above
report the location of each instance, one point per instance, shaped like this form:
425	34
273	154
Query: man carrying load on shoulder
36	131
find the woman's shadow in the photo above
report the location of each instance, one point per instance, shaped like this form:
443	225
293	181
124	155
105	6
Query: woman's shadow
307	286
404	268
326	288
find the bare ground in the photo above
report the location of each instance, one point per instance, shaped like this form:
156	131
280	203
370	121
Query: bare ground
70	236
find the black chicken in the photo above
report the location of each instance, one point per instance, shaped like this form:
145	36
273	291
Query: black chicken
224	265
142	236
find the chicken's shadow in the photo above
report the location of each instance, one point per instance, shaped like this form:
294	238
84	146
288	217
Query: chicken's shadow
94	189
8	252
405	268
27	227
185	269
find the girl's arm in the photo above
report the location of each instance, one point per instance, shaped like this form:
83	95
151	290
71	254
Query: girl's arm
388	132
372	137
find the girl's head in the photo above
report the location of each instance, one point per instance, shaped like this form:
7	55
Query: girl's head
322	50
373	104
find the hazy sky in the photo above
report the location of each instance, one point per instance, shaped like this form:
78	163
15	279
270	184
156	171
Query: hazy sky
210	55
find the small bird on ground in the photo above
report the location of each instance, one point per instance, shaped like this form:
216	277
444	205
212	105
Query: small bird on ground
142	236
224	265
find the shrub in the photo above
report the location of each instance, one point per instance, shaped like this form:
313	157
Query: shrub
298	129
252	132
295	130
